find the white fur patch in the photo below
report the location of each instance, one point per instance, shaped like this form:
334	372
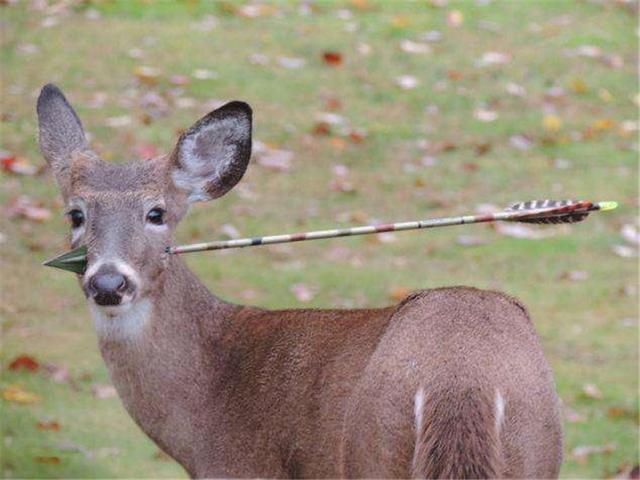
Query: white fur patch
418	409
500	404
121	322
123	267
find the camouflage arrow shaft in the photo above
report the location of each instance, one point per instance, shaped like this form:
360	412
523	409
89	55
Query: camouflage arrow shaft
537	211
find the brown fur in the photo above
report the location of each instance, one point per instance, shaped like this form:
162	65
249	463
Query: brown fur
238	391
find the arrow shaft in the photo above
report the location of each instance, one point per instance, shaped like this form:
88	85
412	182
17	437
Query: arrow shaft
509	215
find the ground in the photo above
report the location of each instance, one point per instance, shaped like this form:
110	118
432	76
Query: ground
366	111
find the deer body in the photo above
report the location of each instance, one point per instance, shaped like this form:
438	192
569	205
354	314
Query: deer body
451	382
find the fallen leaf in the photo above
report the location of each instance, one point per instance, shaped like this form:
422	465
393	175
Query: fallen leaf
603	124
454	74
590	390
302	292
204	74
16	394
25	207
455	18
617	411
574	275
357	136
515	89
146	150
119	121
407	82
179	80
485	115
399	293
331	118
291	62
410	46
333	104
580	453
275	159
631	234
51	460
624	251
470	240
48	425
321	128
364	49
573	417
399	21
493	58
229	231
578	85
255	10
26	362
332	58
431	36
521	141
470	166
14	164
103	390
552	123
146	74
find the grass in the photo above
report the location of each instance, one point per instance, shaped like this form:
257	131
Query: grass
588	328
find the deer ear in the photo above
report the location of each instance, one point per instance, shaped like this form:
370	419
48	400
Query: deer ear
212	156
60	132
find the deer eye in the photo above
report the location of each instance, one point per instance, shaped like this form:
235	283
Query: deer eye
156	216
77	218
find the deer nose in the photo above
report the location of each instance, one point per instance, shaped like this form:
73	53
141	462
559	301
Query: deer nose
107	288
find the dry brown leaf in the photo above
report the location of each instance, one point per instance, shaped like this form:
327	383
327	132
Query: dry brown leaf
48	425
12	163
26	362
16	394
332	58
147	75
399	293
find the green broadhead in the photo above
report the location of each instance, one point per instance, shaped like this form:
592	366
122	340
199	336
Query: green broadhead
74	261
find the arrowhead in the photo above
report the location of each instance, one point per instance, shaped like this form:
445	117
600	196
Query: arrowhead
73	261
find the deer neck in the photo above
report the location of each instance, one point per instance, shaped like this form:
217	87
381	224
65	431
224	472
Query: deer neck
165	358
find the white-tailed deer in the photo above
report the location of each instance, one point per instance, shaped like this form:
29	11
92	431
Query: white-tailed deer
450	383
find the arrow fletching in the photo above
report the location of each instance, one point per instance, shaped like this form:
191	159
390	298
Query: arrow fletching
552	211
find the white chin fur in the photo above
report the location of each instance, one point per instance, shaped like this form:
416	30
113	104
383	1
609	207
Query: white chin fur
124	322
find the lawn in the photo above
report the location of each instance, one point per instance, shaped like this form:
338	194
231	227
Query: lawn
365	111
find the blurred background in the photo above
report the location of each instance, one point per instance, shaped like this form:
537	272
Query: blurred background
365	111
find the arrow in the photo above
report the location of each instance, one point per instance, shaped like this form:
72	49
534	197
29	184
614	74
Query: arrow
536	211
74	261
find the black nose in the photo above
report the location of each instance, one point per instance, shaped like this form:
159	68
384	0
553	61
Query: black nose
107	288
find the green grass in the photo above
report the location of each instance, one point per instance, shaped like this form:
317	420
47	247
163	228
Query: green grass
582	324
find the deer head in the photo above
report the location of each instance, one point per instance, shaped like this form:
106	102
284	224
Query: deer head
125	213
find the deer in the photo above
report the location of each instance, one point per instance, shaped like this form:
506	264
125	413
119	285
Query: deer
451	382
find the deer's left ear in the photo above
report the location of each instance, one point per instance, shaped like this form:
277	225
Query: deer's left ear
212	156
